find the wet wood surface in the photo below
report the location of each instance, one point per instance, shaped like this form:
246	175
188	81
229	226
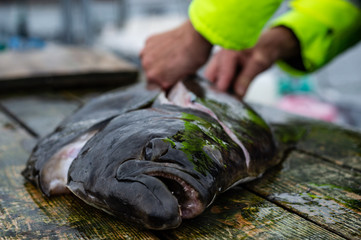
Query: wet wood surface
315	193
59	66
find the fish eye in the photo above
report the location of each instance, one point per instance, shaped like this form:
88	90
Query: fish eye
148	151
155	148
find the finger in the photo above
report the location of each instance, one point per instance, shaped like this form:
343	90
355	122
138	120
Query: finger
153	49
227	70
155	60
151	86
212	68
254	66
160	74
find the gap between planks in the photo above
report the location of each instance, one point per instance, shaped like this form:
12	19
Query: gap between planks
23	125
323	158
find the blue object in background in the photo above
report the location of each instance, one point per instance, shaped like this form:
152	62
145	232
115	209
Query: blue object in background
288	84
21	44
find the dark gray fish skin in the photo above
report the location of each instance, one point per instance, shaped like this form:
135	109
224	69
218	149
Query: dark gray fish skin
155	164
92	116
134	163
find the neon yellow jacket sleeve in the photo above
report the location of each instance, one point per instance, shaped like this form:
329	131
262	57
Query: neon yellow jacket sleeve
233	24
324	28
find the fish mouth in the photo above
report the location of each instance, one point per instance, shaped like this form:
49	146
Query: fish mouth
165	192
189	201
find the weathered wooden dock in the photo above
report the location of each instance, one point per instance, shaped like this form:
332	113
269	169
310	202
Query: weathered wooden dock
314	194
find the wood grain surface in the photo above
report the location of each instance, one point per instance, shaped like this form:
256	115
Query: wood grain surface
314	194
318	191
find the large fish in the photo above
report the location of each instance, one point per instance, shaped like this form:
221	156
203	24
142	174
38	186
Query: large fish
154	158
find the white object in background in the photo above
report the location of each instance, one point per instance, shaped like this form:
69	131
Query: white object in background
263	89
131	38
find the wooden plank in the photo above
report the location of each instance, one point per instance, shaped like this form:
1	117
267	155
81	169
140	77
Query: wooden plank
317	190
57	66
337	144
26	214
239	214
333	143
15	144
41	112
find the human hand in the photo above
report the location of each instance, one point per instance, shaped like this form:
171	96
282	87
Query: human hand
168	57
237	69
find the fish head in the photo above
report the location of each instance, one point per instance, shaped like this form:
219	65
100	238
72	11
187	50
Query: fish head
155	167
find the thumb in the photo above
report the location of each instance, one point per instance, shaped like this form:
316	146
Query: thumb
254	66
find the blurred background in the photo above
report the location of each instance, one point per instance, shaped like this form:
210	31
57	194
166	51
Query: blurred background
122	26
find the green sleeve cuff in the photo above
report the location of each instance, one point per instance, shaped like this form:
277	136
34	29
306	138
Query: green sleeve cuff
232	24
324	28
